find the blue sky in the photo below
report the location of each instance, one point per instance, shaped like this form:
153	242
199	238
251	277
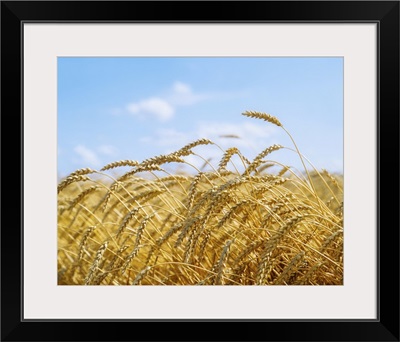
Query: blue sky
135	108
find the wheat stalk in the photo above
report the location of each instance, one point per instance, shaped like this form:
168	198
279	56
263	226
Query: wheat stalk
137	246
258	159
81	196
219	267
271	244
85	237
69	180
141	275
120	163
262	116
96	262
289	269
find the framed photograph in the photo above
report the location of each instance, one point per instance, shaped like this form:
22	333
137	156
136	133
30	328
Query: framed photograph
200	162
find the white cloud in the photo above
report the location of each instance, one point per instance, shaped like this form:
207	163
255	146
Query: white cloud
108	150
88	157
163	107
181	94
181	88
154	106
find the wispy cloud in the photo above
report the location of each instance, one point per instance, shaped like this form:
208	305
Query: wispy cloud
182	94
163	107
108	150
153	107
87	156
249	138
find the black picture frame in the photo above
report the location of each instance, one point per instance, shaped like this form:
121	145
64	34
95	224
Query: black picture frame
15	328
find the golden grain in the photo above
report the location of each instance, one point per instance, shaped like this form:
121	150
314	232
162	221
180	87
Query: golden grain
259	158
85	237
141	275
219	267
263	116
214	227
69	180
96	262
120	163
81	196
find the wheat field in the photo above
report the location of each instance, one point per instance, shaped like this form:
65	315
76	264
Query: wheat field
257	223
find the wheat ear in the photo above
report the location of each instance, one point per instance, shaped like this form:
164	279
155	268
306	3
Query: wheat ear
120	163
219	267
137	246
141	275
69	180
96	262
262	116
264	265
289	269
85	237
81	196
